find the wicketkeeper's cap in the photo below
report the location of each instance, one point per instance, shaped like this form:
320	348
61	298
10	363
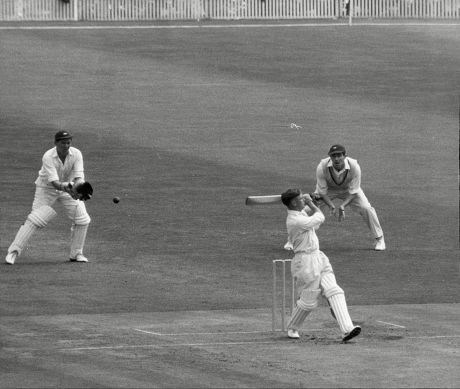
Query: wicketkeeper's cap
290	194
336	149
60	135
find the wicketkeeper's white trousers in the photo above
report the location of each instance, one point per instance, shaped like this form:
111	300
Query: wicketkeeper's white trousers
74	209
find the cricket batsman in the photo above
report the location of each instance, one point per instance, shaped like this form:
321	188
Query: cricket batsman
310	267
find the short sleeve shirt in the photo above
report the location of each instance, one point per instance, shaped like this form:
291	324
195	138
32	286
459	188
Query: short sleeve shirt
54	170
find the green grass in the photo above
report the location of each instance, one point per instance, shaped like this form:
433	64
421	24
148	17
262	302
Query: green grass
184	124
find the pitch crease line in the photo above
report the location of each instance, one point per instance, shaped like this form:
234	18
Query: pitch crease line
209	333
434	336
163	345
390	324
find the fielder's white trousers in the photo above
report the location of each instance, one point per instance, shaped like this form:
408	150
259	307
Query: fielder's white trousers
361	205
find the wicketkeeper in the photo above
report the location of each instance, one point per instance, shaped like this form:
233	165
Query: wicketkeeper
61	178
310	267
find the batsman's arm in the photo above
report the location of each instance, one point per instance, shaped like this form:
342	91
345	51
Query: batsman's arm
311	204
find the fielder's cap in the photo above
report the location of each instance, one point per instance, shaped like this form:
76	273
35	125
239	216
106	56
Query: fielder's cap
290	194
60	135
336	149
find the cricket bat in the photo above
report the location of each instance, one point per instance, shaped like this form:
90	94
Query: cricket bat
263	200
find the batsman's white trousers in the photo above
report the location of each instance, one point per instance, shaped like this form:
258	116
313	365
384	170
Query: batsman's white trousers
361	205
313	275
308	269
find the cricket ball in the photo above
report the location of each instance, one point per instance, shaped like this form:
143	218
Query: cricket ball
116	199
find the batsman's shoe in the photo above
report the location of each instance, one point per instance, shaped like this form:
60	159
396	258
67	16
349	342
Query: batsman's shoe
353	333
380	244
293	334
11	257
79	258
288	246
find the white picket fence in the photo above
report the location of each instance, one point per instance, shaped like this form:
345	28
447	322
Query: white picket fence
137	10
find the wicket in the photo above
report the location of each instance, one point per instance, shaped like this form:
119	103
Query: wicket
275	296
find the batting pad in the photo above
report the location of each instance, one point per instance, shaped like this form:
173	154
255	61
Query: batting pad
23	235
329	285
41	216
339	306
298	317
81	216
308	299
77	239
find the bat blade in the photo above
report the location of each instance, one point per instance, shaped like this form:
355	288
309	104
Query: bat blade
263	200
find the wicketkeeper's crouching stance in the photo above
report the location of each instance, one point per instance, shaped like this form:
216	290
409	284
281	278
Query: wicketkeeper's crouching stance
60	179
310	267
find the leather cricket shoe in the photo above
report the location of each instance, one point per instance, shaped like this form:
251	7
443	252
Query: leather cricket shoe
11	257
79	258
293	334
353	333
380	244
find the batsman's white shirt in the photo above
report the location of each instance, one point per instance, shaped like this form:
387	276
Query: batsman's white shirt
301	230
54	170
309	261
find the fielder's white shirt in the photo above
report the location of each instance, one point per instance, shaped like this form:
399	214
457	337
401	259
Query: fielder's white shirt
54	170
301	230
349	177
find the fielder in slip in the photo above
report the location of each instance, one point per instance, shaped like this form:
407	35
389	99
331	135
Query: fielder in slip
310	267
339	177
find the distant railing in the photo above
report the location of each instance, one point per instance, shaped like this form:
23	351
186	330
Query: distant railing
153	10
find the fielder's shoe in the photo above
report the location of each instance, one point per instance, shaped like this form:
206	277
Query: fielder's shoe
380	244
79	258
11	257
293	334
288	246
350	335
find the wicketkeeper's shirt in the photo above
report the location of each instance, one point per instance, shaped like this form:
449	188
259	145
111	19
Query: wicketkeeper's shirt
54	170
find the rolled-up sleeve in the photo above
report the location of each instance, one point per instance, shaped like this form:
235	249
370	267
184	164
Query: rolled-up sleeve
355	184
49	169
77	169
321	183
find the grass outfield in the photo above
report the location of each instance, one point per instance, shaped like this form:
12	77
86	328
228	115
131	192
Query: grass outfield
183	124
